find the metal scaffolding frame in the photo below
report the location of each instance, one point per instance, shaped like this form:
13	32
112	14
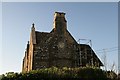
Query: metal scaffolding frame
89	42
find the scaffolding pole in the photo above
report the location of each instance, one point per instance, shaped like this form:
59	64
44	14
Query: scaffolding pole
79	52
90	43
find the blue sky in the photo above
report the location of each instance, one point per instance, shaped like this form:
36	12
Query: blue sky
60	0
95	21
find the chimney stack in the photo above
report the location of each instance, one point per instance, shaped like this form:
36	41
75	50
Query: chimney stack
59	23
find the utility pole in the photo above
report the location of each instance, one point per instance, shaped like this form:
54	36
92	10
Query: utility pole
105	59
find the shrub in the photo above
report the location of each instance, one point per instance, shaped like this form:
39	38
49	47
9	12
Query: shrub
54	73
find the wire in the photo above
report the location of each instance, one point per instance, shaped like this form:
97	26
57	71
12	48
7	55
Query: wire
108	50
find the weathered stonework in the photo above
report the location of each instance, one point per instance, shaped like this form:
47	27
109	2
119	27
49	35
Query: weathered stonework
57	48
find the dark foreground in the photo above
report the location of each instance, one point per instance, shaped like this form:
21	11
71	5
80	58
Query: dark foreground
54	73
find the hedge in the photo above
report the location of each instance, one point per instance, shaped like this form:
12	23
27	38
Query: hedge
54	73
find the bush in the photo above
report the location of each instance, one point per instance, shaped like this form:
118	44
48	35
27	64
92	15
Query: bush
111	75
54	73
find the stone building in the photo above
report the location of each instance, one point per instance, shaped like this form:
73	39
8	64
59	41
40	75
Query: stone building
57	48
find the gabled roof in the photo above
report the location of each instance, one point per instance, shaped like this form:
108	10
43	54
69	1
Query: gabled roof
50	39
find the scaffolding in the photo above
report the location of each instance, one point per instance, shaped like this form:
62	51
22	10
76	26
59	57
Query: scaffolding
80	52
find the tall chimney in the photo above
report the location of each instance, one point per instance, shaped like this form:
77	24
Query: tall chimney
60	23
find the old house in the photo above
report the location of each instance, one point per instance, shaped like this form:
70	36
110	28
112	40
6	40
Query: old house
57	48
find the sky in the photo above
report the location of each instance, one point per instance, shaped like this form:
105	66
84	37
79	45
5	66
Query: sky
60	0
85	20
